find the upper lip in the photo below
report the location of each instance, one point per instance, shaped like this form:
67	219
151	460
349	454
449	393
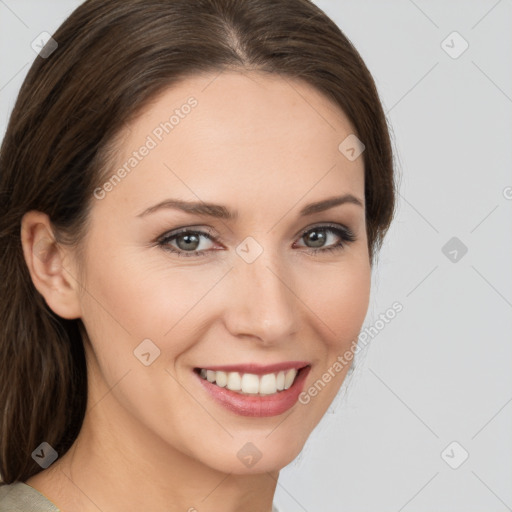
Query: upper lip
258	369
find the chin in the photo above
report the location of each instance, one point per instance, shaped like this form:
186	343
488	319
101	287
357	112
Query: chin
257	452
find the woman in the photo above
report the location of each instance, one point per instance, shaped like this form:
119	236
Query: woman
193	194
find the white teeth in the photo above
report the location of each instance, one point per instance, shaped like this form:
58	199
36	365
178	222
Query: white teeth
280	381
234	381
249	383
268	384
221	379
289	378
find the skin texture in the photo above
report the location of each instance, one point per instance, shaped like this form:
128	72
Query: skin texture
152	438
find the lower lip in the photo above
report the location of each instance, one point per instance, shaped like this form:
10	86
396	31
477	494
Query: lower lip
254	405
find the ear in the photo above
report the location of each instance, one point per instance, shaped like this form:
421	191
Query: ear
50	265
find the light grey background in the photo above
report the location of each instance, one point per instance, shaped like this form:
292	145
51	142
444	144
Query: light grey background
441	370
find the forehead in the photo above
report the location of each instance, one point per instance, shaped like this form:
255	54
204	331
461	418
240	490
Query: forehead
236	135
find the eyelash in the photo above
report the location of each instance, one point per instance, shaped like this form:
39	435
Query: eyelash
346	235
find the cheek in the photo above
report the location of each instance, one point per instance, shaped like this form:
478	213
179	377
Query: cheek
342	302
341	306
130	299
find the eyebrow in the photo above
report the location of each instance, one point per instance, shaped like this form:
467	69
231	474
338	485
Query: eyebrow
221	212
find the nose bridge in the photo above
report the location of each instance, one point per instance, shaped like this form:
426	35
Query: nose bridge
263	304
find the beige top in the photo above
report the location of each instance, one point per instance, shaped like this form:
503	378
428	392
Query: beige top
20	497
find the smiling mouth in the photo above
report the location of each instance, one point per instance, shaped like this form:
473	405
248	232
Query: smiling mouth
250	383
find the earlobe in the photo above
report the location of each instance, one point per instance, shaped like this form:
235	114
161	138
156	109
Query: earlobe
47	262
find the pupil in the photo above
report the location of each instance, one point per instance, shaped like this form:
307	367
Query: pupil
317	237
194	239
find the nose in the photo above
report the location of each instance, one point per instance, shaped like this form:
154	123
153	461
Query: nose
262	303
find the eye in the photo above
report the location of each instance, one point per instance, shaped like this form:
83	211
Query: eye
187	242
318	236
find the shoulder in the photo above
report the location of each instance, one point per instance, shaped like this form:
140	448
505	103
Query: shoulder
20	497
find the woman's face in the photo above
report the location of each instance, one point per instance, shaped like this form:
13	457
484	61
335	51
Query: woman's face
235	163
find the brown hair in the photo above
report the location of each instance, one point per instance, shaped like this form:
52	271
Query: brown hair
113	57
